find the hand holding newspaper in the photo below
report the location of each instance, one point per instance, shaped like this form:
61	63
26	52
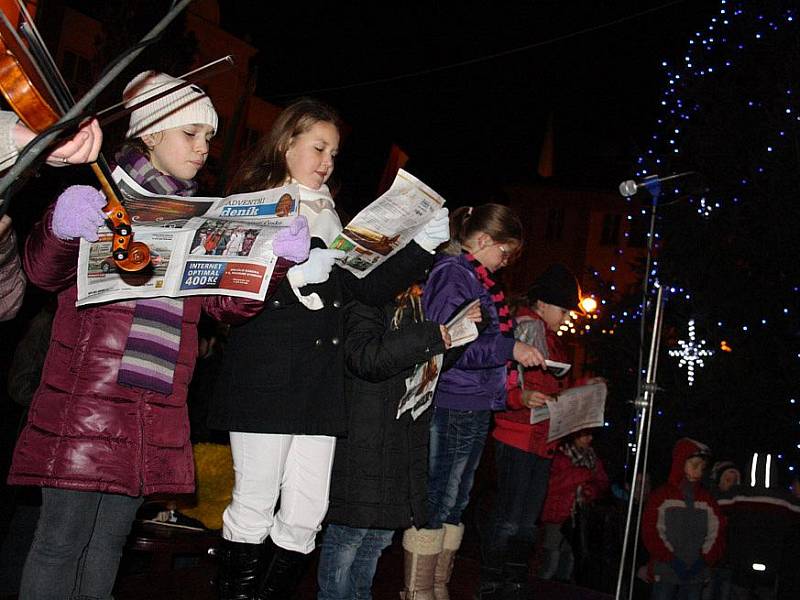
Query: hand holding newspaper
574	409
388	224
199	246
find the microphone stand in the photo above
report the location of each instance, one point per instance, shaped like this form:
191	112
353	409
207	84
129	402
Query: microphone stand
644	404
645	396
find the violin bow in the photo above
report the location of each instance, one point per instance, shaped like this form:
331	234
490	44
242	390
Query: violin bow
39	144
113	112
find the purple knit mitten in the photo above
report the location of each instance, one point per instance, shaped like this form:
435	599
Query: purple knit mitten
78	213
293	242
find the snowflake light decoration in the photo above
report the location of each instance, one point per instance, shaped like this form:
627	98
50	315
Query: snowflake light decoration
691	353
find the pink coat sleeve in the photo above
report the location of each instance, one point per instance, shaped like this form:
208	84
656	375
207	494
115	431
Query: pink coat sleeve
51	263
235	311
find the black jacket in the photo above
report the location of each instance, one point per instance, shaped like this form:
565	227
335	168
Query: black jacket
283	370
380	471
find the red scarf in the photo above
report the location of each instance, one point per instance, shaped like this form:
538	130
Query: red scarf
495	293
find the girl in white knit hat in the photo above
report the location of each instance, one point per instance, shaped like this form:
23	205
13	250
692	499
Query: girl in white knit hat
108	424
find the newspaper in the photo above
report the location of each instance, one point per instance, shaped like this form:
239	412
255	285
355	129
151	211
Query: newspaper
387	225
461	329
198	245
420	387
422	383
576	408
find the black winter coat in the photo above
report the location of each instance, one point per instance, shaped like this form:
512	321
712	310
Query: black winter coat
283	370
380	471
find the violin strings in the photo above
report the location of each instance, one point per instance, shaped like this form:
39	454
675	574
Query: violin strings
45	59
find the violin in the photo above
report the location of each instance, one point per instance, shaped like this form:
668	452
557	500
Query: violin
39	100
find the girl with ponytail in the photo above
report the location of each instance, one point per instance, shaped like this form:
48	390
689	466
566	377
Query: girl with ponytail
483	240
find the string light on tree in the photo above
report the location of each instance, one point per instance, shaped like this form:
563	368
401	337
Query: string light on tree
691	353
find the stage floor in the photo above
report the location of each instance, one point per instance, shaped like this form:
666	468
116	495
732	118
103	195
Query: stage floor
193	582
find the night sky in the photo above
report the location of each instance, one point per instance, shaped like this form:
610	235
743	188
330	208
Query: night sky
472	128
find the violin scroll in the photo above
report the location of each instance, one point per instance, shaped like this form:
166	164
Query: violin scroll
137	257
127	254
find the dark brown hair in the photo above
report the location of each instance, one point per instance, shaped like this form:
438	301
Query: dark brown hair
497	221
265	167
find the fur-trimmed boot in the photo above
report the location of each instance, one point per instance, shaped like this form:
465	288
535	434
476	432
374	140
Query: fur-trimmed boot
421	549
286	569
451	542
238	570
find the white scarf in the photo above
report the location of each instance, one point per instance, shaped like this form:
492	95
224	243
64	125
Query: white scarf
318	207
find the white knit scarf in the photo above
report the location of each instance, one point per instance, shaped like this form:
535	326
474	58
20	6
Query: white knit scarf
318	207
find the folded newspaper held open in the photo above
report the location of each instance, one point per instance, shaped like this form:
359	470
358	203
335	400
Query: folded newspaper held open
198	245
576	408
388	224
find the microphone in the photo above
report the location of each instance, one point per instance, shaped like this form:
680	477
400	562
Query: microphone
651	183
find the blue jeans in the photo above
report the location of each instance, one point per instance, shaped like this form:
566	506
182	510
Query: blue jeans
521	489
675	591
77	545
456	445
347	561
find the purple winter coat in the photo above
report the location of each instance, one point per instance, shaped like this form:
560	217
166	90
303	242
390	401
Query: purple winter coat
478	380
85	431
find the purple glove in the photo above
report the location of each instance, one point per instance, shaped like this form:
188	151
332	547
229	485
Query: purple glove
78	214
293	242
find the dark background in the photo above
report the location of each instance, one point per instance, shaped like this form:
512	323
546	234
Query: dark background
397	74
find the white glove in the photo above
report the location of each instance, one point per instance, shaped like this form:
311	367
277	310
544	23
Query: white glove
436	231
316	269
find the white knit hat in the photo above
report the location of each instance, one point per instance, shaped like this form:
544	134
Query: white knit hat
187	106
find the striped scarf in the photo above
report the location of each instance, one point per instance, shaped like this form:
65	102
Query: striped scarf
146	175
151	350
496	294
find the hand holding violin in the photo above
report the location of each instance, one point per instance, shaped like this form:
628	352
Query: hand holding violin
83	147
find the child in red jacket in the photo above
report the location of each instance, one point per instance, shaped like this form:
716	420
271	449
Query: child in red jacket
682	527
522	451
577	477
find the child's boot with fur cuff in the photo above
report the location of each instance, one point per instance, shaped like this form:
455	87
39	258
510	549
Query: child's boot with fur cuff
421	549
453	534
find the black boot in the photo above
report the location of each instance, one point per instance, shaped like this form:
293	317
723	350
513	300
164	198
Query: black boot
515	571
238	570
491	584
286	569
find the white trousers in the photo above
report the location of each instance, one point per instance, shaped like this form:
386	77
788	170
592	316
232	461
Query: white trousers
269	466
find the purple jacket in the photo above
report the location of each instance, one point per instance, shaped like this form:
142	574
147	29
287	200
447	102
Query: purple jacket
478	379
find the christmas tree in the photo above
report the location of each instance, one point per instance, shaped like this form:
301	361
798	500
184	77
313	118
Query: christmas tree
725	246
